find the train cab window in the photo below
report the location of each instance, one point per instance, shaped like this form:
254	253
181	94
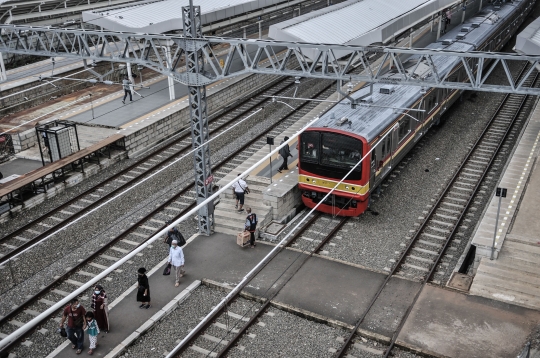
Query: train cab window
309	150
340	151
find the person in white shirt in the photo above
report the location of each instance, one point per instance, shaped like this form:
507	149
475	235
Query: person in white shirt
176	259
239	189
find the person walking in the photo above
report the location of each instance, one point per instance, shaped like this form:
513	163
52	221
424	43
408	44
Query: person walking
251	226
285	153
143	289
174	234
93	330
176	259
76	324
240	188
100	308
126	83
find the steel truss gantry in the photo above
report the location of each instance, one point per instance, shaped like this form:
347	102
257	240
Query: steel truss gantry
196	62
191	18
286	58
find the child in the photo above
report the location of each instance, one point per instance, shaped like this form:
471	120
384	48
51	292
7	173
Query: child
93	331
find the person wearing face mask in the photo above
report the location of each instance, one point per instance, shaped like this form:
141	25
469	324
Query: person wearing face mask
143	289
176	259
76	324
99	306
93	330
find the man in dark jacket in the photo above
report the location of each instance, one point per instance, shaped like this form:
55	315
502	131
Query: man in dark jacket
251	226
285	153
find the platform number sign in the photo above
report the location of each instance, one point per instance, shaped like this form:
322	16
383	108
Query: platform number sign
501	192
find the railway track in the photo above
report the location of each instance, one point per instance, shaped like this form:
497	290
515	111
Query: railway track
35	231
427	254
137	233
229	325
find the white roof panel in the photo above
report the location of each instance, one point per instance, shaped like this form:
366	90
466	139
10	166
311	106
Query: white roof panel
166	15
528	41
357	18
357	22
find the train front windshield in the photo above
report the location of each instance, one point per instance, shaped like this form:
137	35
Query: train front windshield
330	154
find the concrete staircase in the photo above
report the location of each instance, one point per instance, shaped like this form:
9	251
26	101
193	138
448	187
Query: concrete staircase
514	277
229	221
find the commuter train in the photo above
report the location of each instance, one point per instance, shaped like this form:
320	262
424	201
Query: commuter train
335	143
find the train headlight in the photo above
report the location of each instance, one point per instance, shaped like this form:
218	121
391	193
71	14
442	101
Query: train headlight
353	204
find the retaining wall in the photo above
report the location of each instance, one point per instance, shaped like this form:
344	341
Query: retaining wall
163	128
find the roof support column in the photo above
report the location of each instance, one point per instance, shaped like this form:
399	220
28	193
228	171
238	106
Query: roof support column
191	16
439	27
3	74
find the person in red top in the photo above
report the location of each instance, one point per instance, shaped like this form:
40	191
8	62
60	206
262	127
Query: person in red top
76	324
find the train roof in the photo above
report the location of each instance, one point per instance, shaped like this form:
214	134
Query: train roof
369	119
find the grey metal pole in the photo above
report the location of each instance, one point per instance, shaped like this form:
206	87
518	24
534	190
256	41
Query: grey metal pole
191	16
496	227
439	28
260	29
270	159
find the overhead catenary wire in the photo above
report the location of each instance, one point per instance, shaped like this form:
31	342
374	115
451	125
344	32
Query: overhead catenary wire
136	184
247	278
6	341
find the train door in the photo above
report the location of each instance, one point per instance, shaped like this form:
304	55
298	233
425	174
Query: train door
373	168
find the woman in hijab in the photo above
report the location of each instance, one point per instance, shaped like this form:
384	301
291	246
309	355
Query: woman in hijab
143	289
101	311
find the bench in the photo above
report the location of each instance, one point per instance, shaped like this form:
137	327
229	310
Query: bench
37	180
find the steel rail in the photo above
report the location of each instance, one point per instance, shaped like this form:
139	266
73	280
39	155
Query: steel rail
341	353
462	215
269	300
229	157
109	195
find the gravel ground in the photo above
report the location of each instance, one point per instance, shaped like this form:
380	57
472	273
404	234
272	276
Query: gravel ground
176	325
376	239
146	198
279	333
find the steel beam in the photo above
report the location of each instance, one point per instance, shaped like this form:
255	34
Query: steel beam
191	18
146	50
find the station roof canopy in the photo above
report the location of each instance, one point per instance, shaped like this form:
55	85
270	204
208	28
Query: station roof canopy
528	41
357	22
156	17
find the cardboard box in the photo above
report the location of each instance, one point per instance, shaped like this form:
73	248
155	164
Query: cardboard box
242	238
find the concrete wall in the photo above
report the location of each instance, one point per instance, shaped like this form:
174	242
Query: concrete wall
154	133
283	198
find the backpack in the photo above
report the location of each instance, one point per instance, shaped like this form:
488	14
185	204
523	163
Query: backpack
176	235
252	221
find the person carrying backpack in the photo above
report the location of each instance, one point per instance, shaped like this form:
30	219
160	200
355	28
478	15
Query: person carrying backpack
251	226
174	234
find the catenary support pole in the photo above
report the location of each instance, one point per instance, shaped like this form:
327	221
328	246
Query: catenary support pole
8	340
191	16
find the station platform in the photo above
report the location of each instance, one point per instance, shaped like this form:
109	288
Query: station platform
514	274
312	291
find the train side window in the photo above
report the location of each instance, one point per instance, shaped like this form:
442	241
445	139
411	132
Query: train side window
404	128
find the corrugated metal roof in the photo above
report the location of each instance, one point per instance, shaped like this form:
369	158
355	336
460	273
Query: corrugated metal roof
166	15
357	18
528	40
357	22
